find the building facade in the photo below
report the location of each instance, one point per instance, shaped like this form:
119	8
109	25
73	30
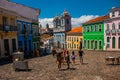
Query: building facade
25	19
112	30
61	26
74	39
8	32
93	33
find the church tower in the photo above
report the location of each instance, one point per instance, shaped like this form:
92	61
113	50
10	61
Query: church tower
66	21
56	22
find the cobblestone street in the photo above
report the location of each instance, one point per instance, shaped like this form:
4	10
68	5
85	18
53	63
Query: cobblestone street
45	68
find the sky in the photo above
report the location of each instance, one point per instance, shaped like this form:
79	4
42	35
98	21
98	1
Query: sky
80	10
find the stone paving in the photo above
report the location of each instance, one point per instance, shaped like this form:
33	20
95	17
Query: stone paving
45	68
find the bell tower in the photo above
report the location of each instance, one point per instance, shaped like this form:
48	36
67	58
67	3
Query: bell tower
66	21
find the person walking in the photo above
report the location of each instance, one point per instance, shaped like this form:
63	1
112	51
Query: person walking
73	57
59	59
68	59
53	52
81	55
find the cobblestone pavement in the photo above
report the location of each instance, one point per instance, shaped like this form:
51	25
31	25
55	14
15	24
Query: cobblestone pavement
45	68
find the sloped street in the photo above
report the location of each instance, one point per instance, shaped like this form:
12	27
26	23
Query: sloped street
45	68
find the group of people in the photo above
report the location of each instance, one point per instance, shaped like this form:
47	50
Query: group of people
65	57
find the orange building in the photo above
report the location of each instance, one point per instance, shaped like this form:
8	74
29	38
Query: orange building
74	39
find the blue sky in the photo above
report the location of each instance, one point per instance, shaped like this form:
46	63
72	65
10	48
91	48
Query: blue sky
77	8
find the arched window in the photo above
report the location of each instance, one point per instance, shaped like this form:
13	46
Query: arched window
113	26
113	42
119	42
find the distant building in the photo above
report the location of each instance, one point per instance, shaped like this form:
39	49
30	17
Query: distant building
93	33
112	30
74	39
62	25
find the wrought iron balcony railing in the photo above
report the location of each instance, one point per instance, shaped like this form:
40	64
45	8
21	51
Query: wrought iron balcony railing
113	32
107	32
8	28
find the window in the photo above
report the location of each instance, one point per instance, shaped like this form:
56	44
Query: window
95	28
107	26
29	28
5	21
100	28
108	39
113	26
87	29
67	21
113	42
100	44
113	14
12	22
14	45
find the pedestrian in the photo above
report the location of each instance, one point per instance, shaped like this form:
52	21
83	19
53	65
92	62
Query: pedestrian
59	59
73	57
53	52
68	59
81	55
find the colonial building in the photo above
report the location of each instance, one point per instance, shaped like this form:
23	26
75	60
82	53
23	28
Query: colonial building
93	33
61	26
112	30
26	19
74	39
8	32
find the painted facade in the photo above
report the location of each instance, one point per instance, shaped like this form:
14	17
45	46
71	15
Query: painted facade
24	36
74	39
8	32
93	33
112	30
36	36
61	26
26	16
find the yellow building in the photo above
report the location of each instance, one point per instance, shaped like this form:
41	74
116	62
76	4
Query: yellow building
74	39
8	32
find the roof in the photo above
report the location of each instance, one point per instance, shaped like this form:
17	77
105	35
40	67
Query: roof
76	30
98	19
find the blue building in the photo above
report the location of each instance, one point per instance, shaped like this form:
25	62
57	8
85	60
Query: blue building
62	25
24	36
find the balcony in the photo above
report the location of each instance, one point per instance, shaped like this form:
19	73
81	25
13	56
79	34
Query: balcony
8	28
113	32
13	28
118	31
107	32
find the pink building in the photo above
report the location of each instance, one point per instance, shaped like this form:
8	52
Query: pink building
112	30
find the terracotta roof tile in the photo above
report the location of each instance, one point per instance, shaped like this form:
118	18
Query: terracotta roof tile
75	30
98	19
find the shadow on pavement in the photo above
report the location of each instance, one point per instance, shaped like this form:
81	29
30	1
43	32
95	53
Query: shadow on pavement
84	63
68	69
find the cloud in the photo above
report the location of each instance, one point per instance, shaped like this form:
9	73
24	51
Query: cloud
78	21
44	21
75	21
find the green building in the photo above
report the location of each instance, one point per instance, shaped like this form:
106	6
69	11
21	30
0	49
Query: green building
36	36
93	33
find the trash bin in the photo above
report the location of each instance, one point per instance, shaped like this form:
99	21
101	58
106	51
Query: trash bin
18	61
